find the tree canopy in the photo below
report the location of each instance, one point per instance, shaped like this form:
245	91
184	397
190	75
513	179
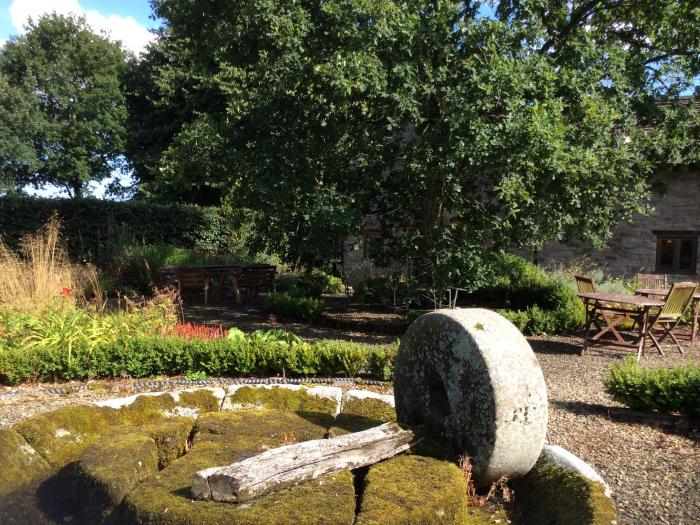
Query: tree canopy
62	111
455	132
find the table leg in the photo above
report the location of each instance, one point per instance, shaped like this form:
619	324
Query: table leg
590	314
643	326
694	329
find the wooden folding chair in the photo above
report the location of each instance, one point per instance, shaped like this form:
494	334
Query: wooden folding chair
652	280
587	285
667	318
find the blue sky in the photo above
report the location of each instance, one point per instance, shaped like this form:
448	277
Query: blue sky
126	20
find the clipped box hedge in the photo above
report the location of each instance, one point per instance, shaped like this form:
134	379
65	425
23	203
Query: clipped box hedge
663	389
156	355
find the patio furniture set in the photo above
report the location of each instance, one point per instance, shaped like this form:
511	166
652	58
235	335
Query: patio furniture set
244	282
655	311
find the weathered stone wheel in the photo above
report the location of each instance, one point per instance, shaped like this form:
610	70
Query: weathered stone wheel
472	378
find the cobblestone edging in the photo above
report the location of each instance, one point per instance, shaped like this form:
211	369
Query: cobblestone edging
169	384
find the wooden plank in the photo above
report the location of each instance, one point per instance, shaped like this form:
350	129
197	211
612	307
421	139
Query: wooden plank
292	464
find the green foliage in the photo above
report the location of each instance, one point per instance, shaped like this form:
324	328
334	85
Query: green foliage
454	130
301	308
412	315
535	302
395	289
149	355
68	120
196	376
68	337
309	284
136	266
663	389
102	231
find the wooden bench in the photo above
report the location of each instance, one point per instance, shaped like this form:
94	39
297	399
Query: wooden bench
248	281
187	280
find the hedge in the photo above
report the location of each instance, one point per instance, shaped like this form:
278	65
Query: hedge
663	389
95	230
156	355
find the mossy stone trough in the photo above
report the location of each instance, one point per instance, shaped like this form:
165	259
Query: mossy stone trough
132	461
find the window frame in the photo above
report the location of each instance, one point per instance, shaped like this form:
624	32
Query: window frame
676	237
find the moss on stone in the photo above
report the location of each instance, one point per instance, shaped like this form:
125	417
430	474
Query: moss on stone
223	438
60	436
258	430
280	398
147	403
170	437
553	495
19	462
414	489
370	408
203	399
108	470
361	414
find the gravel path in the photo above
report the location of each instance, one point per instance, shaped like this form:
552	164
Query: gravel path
653	469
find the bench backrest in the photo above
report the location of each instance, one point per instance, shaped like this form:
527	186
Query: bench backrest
185	278
259	276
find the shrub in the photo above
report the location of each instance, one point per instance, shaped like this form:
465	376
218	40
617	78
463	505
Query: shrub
65	332
149	355
666	390
394	290
309	284
534	301
286	305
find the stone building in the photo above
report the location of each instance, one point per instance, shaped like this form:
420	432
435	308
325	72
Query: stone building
665	242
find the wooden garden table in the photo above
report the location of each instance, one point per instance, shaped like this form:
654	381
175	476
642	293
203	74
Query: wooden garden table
695	306
614	308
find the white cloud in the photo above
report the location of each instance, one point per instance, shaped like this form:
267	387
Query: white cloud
125	28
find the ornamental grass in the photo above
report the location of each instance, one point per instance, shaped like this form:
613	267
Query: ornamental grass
39	274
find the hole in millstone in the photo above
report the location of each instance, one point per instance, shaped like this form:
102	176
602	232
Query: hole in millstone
358	481
438	404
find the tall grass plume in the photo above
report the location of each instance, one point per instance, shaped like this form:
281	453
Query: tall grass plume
39	274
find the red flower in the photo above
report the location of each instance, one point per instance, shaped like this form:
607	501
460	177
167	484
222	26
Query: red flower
191	331
66	292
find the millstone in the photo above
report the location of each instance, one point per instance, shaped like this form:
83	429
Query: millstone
471	377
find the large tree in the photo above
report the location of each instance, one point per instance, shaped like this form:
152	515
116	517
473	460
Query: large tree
62	111
454	131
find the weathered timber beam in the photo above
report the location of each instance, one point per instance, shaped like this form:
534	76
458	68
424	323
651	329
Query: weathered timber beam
292	464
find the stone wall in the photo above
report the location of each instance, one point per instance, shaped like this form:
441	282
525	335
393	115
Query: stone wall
632	248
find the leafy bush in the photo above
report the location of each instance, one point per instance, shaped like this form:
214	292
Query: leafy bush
309	284
144	356
386	290
286	305
666	390
534	301
65	330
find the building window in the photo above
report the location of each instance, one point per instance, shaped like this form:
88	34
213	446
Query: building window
676	252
